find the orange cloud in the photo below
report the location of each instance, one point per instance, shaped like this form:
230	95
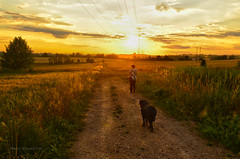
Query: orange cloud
31	18
176	47
62	33
162	39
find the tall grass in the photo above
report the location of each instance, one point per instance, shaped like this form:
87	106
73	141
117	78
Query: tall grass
209	96
38	113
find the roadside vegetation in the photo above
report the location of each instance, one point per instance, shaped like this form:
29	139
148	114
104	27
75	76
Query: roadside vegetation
39	112
208	96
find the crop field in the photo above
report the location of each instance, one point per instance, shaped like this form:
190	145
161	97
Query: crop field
39	110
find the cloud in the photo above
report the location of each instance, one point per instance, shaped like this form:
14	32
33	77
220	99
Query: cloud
103	36
210	35
237	46
61	23
178	9
229	23
176	47
63	34
33	19
22	6
164	7
232	33
85	46
162	39
58	33
20	17
215	47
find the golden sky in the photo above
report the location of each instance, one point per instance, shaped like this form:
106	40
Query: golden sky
154	27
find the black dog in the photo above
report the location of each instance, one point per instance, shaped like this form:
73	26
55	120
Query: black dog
148	113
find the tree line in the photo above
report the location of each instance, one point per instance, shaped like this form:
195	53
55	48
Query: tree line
19	55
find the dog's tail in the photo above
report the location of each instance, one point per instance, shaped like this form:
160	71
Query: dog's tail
152	113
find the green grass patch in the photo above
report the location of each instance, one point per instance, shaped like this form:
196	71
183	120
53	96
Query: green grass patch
209	96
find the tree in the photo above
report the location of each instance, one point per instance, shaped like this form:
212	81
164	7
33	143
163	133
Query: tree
112	56
232	57
45	55
18	55
89	60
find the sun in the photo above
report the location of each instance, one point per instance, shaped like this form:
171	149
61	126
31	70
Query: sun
132	42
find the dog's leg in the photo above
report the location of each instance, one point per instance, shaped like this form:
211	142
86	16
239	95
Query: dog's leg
146	122
151	126
143	120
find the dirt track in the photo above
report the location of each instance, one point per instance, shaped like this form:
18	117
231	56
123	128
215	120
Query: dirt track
113	130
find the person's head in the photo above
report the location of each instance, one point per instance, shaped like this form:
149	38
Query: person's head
133	66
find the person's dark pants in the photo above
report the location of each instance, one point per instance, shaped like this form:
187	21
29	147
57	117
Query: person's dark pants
132	85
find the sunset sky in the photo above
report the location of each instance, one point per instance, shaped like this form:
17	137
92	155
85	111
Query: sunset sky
156	27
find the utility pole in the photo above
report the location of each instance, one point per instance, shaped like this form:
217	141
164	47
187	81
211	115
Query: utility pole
196	52
139	49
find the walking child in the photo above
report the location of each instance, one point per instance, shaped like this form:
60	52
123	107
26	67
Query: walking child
132	78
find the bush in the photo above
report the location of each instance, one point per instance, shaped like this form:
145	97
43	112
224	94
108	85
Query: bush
203	62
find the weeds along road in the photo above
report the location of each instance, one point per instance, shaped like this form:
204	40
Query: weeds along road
114	130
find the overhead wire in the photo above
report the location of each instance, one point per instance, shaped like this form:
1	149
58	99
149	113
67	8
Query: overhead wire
102	15
140	44
109	7
135	10
126	8
119	5
106	20
79	1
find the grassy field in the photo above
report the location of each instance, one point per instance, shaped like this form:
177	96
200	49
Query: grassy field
209	96
39	110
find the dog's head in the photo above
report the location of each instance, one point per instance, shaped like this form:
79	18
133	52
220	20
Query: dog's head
143	103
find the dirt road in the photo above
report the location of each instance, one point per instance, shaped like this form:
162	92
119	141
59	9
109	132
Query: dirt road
114	130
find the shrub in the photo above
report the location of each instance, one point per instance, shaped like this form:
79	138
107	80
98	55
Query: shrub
203	62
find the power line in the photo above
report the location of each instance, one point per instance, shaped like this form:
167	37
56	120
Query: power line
119	6
102	15
126	8
109	7
92	16
135	10
140	44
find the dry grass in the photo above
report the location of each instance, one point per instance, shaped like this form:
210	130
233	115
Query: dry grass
39	112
